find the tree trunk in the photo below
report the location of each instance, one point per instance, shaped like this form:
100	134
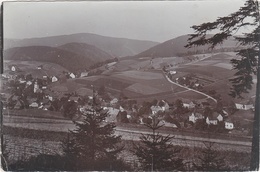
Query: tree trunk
254	163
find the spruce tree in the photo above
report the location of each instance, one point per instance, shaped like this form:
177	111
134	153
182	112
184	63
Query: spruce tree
93	140
156	152
210	160
247	64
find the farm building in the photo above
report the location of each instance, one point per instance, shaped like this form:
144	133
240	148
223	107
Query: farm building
34	105
195	116
39	67
212	119
54	79
72	75
229	125
244	106
114	101
156	109
84	74
188	104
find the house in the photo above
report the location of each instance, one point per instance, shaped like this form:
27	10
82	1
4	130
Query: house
156	109
114	101
112	113
13	68
36	87
244	106
54	79
39	67
84	74
188	104
72	75
167	124
173	72
214	118
29	83
195	116
6	75
229	125
166	106
74	98
219	117
34	105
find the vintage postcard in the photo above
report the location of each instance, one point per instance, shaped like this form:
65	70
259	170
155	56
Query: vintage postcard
130	85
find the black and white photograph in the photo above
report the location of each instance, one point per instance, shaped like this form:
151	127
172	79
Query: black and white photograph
130	85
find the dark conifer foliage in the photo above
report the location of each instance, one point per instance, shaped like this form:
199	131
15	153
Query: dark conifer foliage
155	151
210	160
247	64
92	141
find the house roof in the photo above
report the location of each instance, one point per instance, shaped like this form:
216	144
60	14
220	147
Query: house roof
156	108
74	98
213	116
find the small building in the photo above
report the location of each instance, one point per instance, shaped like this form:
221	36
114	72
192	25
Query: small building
34	105
39	67
195	116
54	79
114	101
189	105
74	98
13	68
72	75
244	106
156	109
84	74
173	72
229	125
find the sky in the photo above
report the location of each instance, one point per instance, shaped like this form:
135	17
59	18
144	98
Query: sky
143	20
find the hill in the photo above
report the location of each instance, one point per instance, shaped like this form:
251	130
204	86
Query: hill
175	47
89	51
117	47
66	58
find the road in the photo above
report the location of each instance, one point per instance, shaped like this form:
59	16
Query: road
127	134
206	95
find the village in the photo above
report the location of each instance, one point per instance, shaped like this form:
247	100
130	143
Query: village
32	92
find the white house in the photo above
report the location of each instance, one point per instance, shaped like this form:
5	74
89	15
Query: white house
114	101
72	75
189	105
211	121
13	68
34	105
195	116
220	117
36	87
173	72
229	125
156	109
244	106
166	106
39	67
84	74
29	83
54	79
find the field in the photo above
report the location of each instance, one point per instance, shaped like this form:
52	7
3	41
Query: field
30	67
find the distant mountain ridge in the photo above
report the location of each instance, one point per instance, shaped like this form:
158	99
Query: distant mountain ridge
117	47
65	55
175	47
